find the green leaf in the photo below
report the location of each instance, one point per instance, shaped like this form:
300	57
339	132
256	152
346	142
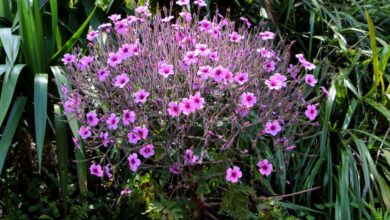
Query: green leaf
11	44
62	150
31	29
54	25
10	128
379	107
74	125
72	41
8	89
3	68
40	111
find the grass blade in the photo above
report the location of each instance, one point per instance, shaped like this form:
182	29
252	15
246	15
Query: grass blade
379	107
40	111
10	128
62	151
8	89
11	44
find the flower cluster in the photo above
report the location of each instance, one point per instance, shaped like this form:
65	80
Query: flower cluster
174	93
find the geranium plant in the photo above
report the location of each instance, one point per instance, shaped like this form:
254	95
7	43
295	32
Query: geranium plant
188	99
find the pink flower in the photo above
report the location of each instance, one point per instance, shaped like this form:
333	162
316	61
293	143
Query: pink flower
107	171
311	80
293	70
189	157
233	174
308	65
114	17
121	26
133	138
197	100
269	66
128	117
114	59
92	35
68	59
267	35
205	25
165	70
265	168
147	151
104	138
324	90
202	50
134	162
85	132
84	62
126	51
276	81
186	16
76	142
204	71
246	21
241	78
134	49
235	37
105	27
183	2
311	112
96	170
248	99
103	74
187	106
215	32
218	73
173	109
167	19
291	147
141	132
141	96
92	119
121	80
272	128
200	3
143	10
175	169
112	122
190	57
228	77
264	53
214	56
126	192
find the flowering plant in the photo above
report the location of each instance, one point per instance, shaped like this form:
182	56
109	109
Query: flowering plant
190	98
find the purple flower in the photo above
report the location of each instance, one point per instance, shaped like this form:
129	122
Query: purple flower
68	59
197	101
246	21
121	26
121	80
272	128
126	51
241	78
248	99
276	81
96	170
265	168
103	74
189	157
175	168
114	17
233	174
134	162
202	50
114	59
190	57
205	25
311	80
76	142
165	70
147	151
186	16
269	66
133	138
84	62
200	3
324	90
85	132
141	96
128	117
141	132
92	118
174	109
187	106
91	36
126	192
104	138
311	112
183	2
112	121
267	35
235	37
204	71
107	171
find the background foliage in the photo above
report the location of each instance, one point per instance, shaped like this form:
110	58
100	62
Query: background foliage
341	172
